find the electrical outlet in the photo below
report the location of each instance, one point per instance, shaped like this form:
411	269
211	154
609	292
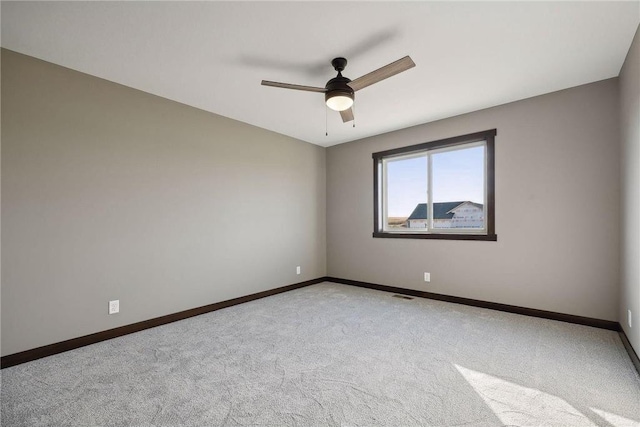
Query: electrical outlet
298	270
629	317
427	277
114	306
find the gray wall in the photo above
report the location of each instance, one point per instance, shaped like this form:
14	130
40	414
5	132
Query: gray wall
557	209
630	136
111	193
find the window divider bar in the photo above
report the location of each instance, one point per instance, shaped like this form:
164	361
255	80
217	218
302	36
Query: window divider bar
430	221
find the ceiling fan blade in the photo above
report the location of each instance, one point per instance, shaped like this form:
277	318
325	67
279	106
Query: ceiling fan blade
382	73
297	87
347	115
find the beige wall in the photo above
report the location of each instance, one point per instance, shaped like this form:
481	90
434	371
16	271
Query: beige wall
556	155
111	193
630	137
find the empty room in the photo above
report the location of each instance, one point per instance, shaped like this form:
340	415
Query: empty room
320	213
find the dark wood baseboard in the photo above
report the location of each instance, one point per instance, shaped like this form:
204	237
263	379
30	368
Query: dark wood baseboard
60	347
51	349
588	321
632	353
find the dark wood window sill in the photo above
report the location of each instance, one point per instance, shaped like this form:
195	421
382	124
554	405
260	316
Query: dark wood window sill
436	236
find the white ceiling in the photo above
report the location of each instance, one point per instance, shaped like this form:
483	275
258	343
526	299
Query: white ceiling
213	55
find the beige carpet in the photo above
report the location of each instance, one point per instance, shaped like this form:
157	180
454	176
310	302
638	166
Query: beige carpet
335	355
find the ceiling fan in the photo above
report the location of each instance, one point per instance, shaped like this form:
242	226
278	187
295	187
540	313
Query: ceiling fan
339	91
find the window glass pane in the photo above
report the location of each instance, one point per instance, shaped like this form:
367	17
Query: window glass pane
440	189
406	192
458	188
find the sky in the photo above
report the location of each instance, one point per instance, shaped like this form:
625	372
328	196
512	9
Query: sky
457	175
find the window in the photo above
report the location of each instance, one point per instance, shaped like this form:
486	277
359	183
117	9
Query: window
437	190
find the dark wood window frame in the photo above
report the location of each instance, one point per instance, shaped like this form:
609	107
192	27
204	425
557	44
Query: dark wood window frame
488	235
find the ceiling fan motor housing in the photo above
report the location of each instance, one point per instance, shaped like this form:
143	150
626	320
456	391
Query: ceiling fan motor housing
338	86
339	96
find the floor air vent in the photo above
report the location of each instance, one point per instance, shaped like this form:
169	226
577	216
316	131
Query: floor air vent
402	296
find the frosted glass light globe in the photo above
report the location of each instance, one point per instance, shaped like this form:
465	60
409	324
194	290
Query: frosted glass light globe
339	103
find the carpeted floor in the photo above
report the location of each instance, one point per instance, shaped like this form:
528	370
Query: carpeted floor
335	355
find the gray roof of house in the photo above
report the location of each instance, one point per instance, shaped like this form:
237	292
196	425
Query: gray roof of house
440	210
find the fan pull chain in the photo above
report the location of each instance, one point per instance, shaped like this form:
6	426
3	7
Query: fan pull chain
353	108
326	131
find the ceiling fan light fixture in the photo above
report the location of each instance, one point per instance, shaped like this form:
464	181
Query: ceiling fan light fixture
339	100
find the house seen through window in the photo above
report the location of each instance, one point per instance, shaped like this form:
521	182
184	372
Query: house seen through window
441	189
